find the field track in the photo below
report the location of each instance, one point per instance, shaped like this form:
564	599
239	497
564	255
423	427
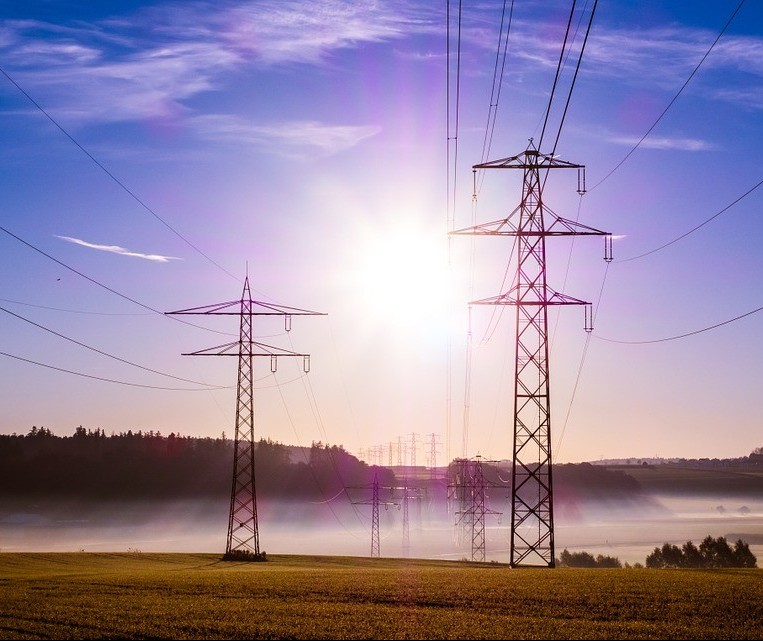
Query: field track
196	596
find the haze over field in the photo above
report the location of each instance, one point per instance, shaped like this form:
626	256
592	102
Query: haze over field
627	531
163	494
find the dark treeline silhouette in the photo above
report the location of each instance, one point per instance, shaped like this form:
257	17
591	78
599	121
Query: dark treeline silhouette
91	465
596	482
711	553
587	560
572	481
147	465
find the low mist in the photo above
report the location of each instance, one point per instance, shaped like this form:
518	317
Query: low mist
628	529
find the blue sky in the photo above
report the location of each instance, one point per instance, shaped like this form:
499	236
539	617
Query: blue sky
307	142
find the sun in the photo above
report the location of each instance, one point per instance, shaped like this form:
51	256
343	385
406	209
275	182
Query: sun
401	278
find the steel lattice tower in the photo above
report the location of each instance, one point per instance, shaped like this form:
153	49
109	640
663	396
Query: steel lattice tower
532	514
406	522
478	512
243	529
375	502
471	484
375	547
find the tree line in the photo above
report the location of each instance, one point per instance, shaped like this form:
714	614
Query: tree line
711	553
148	465
569	559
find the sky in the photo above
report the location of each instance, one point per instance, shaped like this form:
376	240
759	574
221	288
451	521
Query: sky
155	153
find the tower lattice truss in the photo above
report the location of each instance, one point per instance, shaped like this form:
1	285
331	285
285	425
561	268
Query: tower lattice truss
243	527
532	513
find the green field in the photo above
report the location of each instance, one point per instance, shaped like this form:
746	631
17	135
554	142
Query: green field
196	596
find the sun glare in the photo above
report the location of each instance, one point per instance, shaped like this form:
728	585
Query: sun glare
402	279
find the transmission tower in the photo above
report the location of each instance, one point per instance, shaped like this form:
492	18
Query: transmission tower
375	547
406	522
433	450
375	502
459	495
243	530
470	488
532	515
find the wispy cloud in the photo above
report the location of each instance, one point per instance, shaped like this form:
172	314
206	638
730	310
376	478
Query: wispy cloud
666	56
664	142
290	136
659	57
288	31
158	59
116	249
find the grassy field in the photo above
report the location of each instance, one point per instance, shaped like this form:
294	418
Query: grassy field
196	596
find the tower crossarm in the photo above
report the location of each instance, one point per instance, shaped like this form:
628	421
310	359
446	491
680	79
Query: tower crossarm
507	227
258	308
237	349
243	529
510	298
531	158
531	223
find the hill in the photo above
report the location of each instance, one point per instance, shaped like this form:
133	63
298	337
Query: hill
738	477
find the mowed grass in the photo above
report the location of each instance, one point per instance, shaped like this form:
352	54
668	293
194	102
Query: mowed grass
196	596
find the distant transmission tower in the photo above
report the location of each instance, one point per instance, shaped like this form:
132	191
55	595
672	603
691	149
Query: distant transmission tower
406	522
532	515
433	450
375	546
459	496
375	502
243	530
471	517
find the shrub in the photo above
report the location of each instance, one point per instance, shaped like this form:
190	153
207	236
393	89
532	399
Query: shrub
245	555
587	560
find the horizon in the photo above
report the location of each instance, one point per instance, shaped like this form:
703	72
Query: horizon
366	458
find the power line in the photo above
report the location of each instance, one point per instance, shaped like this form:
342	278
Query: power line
556	76
312	468
693	229
73	311
583	356
106	287
574	78
670	104
102	353
495	91
318	418
107	380
131	193
450	192
687	334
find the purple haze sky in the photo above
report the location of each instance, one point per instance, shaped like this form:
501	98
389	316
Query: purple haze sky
308	141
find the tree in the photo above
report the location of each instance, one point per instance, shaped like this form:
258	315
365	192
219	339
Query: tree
692	557
669	556
577	559
742	555
716	553
608	562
